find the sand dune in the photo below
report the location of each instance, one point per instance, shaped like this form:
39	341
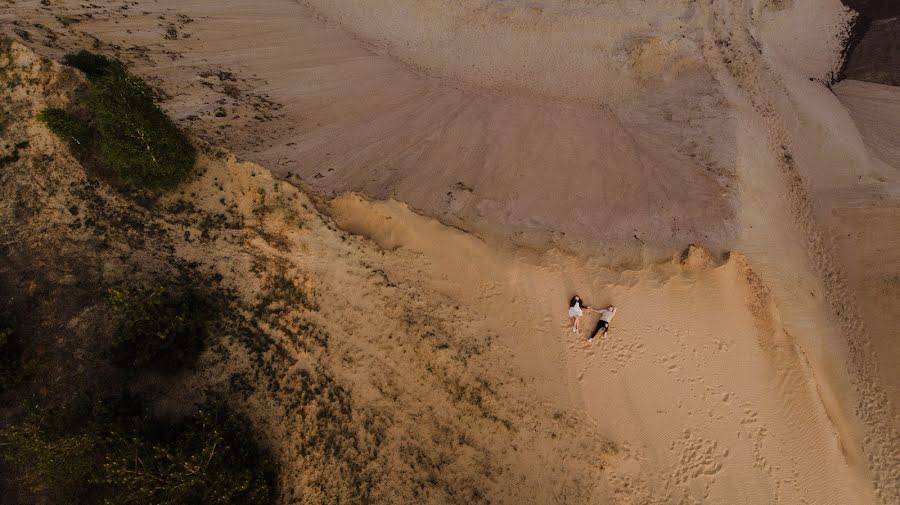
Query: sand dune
704	407
608	137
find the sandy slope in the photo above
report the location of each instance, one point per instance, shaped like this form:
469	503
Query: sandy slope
368	389
654	159
707	397
868	237
622	131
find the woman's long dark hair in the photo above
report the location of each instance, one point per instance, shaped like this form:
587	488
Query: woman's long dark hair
574	299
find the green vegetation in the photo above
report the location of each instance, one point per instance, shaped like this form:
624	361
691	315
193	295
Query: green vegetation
162	328
90	414
115	453
129	134
10	356
135	138
64	125
94	66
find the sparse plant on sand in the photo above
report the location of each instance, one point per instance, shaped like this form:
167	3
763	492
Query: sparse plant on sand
116	453
162	328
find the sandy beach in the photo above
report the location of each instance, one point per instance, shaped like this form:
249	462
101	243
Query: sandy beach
693	163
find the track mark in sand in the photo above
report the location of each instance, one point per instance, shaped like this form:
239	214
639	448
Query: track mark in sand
756	433
626	481
624	351
546	324
615	353
732	50
699	461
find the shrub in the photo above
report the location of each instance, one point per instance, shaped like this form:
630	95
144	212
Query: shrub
161	328
64	125
134	138
209	458
115	453
93	65
10	357
49	460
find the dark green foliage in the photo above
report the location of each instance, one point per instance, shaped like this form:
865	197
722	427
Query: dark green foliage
50	458
10	356
9	158
115	453
93	65
66	126
162	328
134	138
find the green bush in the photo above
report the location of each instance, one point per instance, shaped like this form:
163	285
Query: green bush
10	356
64	125
93	65
162	328
209	458
50	460
134	138
117	454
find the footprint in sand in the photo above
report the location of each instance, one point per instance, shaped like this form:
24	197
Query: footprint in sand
696	457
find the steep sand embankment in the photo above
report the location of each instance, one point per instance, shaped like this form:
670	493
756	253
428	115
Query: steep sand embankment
609	156
828	172
868	235
873	55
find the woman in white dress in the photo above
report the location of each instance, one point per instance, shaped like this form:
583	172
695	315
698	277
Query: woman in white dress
576	310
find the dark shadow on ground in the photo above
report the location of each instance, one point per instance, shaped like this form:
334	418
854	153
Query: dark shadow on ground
873	48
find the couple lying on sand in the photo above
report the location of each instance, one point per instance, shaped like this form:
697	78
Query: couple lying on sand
576	310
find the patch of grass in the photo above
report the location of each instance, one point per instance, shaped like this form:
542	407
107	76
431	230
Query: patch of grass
64	125
116	453
10	356
163	328
132	137
49	461
135	137
94	66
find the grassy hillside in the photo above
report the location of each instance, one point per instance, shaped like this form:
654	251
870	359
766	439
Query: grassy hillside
241	345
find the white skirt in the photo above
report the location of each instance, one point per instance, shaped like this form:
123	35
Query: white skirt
575	311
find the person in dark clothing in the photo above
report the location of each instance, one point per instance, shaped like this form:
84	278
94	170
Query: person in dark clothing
606	316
